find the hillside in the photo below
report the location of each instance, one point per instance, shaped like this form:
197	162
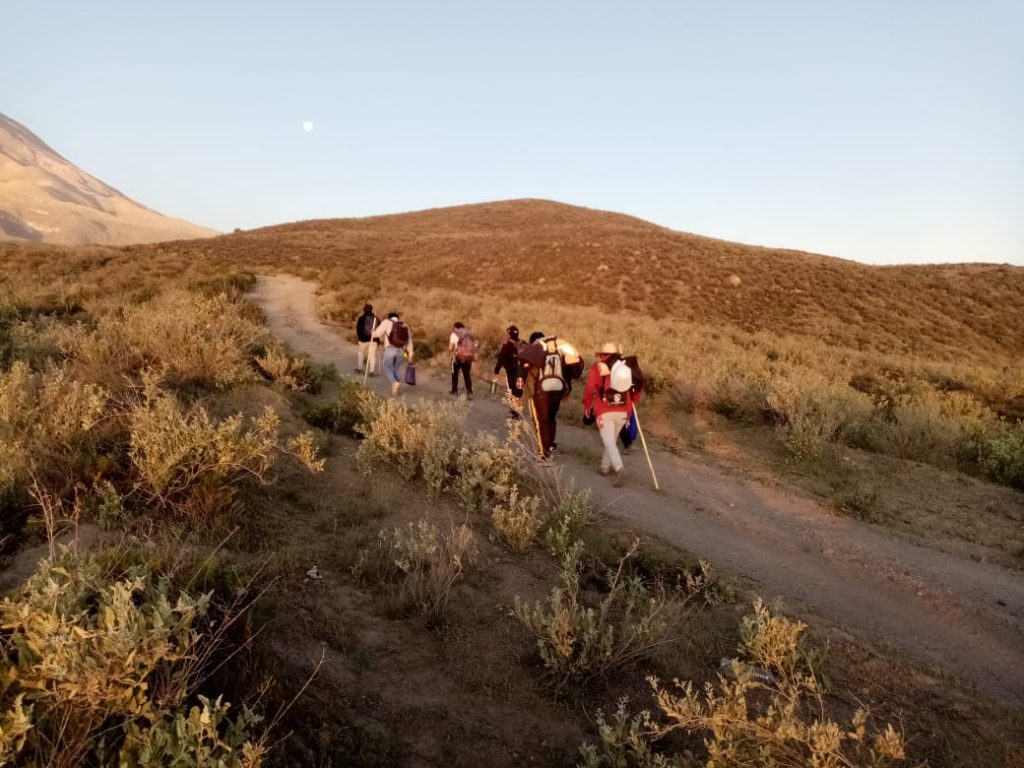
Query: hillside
578	256
46	198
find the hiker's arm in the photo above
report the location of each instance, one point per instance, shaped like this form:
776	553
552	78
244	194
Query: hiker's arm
409	347
379	332
593	382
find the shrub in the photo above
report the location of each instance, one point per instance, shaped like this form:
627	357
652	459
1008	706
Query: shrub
518	520
343	415
810	415
290	373
191	465
487	472
426	562
197	342
577	641
101	673
1001	454
47	422
415	442
766	709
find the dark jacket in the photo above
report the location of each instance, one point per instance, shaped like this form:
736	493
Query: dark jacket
365	324
507	357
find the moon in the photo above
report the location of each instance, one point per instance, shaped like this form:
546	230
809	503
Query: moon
307	126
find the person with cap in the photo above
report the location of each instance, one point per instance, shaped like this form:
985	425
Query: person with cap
397	338
508	360
366	351
609	407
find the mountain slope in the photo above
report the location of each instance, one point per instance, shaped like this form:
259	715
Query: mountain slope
578	256
45	198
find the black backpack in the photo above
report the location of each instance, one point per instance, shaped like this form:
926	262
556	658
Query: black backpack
366	326
398	336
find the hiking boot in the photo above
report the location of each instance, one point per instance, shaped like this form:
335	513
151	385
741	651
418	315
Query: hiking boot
454	392
469	396
620	478
359	370
553	448
605	471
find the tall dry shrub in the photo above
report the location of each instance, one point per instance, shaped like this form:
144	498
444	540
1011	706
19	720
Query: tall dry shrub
193	465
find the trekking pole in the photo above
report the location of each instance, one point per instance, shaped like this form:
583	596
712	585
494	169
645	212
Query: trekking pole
647	453
536	424
371	351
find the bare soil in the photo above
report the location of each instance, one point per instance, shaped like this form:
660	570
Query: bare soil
941	608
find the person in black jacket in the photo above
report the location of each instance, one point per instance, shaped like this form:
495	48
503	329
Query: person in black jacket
366	353
509	361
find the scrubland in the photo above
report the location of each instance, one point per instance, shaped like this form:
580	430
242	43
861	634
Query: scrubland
290	570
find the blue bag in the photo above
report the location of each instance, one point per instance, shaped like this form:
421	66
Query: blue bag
410	375
632	429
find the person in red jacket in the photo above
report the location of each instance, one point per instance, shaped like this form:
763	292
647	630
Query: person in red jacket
610	408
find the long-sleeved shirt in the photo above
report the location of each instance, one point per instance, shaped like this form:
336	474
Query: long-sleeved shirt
507	358
382	333
364	326
597	380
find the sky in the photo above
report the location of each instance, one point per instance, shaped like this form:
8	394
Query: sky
885	132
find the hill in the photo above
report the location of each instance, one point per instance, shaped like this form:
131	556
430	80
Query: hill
46	198
581	257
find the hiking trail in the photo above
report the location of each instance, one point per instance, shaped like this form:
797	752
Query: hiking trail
964	616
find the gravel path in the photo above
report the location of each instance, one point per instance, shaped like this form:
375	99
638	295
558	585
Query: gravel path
964	616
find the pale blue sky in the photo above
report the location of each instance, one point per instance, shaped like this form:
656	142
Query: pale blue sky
877	131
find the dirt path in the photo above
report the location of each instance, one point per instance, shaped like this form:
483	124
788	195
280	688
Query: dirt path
964	616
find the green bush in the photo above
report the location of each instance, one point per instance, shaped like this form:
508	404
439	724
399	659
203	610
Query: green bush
1001	454
343	415
765	709
577	641
103	673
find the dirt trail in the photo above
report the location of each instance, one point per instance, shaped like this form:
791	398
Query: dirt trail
964	616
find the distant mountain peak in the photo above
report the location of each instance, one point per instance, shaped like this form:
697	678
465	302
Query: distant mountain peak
46	198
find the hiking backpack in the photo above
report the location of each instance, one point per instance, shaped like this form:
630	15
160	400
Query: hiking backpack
398	336
367	326
465	347
552	378
624	378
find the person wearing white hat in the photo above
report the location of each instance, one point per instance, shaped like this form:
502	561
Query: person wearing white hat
610	407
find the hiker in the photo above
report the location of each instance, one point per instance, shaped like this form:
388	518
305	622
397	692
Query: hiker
463	346
508	361
545	376
397	339
608	398
366	352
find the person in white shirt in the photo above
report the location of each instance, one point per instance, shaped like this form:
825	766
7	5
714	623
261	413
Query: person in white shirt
462	345
397	339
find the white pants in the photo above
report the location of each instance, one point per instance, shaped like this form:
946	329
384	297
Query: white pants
367	352
610	424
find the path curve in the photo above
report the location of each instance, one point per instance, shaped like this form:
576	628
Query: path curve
964	616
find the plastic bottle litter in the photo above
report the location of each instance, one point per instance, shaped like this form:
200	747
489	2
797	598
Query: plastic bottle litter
314	573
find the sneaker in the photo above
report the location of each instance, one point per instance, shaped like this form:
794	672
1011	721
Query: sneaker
605	471
554	447
620	478
359	370
454	392
469	396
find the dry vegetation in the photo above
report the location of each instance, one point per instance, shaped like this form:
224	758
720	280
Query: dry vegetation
466	609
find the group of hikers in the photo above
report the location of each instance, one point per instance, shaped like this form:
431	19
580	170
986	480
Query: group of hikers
539	372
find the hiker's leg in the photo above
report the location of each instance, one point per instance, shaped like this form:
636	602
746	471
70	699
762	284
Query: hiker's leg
609	424
455	376
371	357
391	357
540	402
360	353
554	403
467	376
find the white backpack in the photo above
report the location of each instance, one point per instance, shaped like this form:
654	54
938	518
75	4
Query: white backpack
620	382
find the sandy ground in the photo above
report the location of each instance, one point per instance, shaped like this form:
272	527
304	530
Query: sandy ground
962	616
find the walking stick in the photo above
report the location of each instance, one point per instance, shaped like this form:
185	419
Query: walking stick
371	351
647	453
536	424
